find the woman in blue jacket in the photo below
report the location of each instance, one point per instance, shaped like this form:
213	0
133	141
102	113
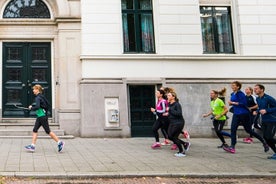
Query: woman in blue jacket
241	116
267	109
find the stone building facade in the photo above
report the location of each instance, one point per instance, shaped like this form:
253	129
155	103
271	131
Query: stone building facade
107	58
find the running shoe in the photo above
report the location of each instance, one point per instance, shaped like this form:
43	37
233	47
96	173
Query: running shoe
266	147
186	134
174	147
273	157
156	145
180	154
30	148
187	146
166	143
223	145
60	146
229	149
248	140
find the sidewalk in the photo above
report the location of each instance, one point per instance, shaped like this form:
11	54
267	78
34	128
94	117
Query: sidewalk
84	157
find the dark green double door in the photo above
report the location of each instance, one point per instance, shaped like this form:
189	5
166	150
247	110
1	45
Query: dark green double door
24	65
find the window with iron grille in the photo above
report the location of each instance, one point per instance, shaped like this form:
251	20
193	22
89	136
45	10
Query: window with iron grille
26	9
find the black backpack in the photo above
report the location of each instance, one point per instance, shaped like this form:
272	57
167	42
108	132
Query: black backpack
44	103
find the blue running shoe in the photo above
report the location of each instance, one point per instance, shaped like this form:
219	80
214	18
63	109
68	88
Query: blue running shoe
273	157
30	148
60	146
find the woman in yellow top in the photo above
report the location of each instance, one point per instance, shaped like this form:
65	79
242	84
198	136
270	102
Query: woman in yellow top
218	112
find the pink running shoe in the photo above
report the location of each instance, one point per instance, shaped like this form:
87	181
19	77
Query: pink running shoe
186	134
166	143
248	140
174	147
156	145
229	149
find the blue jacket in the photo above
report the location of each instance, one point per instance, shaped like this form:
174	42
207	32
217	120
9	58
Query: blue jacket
269	104
239	97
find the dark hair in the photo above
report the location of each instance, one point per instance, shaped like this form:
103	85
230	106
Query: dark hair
261	86
162	92
221	92
237	83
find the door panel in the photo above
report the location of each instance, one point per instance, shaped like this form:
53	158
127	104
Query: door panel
142	98
24	64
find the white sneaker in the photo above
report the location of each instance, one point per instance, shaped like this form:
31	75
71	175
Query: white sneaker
180	155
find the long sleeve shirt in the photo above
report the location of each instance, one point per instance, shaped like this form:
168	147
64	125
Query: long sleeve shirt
175	113
269	104
239	97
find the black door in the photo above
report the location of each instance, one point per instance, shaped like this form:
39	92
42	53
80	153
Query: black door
142	98
24	65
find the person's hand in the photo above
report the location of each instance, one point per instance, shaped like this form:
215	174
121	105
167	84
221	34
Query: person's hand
165	114
254	113
30	107
152	109
205	115
217	116
263	111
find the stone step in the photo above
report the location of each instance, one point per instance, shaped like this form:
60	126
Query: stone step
23	129
24	126
39	137
18	132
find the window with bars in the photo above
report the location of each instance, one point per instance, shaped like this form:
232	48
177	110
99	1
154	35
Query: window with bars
138	30
26	9
216	27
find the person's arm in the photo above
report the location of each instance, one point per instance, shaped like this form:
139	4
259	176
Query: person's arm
163	108
37	104
272	105
208	114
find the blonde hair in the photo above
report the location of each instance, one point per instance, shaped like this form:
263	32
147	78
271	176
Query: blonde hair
38	87
222	92
173	93
250	89
167	89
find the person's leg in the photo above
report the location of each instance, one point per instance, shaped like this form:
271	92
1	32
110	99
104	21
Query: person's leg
175	130
155	128
35	130
164	128
34	138
269	130
234	127
37	125
218	126
46	128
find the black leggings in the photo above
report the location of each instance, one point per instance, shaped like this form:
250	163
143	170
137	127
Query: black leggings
174	130
269	130
42	121
218	126
163	124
